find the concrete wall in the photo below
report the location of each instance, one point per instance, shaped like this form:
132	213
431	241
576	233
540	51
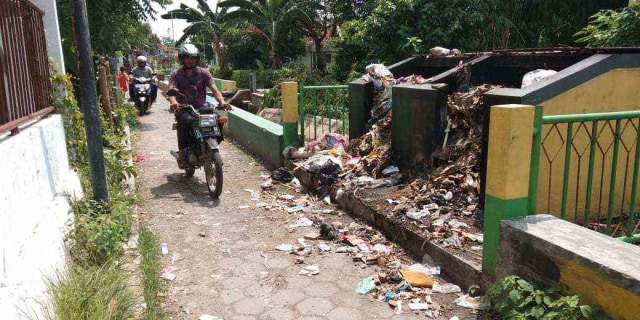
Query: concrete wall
558	254
260	136
600	83
615	90
54	45
225	85
34	211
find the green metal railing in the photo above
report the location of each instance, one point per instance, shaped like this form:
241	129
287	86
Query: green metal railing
607	146
323	109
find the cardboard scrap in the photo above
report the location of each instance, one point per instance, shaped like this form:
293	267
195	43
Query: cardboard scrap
417	279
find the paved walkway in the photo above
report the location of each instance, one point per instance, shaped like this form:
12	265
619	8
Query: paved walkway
225	261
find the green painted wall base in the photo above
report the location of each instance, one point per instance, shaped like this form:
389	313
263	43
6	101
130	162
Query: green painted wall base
496	210
290	131
260	136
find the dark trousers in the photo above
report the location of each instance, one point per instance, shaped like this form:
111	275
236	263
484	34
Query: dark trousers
185	118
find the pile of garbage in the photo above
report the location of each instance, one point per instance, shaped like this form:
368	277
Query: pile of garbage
405	286
438	202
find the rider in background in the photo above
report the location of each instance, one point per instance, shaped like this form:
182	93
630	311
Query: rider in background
143	70
192	81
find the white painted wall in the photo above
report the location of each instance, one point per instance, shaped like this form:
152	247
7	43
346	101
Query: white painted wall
35	213
52	30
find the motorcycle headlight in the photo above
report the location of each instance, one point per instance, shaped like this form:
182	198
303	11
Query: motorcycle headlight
207	123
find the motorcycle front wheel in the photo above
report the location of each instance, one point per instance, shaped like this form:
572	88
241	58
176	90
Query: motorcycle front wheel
213	172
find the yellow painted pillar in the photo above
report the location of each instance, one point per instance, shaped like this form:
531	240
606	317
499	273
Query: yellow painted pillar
290	113
508	168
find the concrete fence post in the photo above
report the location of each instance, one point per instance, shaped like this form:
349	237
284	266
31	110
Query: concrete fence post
290	113
508	168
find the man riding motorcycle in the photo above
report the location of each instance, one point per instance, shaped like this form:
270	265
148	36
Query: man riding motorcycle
143	70
192	82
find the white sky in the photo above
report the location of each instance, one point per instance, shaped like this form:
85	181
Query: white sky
162	27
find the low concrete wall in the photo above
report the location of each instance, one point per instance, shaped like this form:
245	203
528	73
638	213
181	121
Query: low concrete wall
35	213
260	136
560	254
225	85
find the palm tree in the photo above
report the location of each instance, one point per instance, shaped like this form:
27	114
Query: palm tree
204	22
264	16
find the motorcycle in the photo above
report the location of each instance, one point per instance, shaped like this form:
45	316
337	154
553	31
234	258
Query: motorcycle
142	87
203	151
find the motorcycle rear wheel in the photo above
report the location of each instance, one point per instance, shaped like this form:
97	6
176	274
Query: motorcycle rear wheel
213	172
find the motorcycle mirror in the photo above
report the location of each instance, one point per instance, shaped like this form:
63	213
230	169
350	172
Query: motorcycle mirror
172	92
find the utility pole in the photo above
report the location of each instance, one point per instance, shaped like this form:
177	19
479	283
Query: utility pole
89	101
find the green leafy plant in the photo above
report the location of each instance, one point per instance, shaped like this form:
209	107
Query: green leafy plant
242	78
100	230
515	298
609	28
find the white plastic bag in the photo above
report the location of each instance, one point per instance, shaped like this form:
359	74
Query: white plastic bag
534	76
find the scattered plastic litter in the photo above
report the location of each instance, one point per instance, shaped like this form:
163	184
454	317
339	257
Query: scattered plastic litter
418	306
365	286
164	249
324	247
267	184
311	270
255	195
140	157
286	247
286	197
390	170
454	240
446	288
475	303
296	183
417	215
302	222
294	209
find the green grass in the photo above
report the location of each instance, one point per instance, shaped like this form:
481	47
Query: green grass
91	293
150	267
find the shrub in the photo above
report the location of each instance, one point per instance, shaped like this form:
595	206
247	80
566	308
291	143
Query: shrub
515	298
242	78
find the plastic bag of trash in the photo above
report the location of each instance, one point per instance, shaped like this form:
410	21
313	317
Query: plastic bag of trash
326	167
282	174
446	288
534	76
327	141
379	70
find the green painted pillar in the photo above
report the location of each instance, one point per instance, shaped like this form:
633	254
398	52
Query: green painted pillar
508	169
360	103
290	113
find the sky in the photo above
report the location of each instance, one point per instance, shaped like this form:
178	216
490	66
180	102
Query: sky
162	27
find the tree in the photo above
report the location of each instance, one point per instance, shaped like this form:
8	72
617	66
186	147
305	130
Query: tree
202	22
610	28
114	25
244	47
266	15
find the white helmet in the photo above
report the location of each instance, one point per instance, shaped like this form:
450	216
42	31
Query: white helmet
141	59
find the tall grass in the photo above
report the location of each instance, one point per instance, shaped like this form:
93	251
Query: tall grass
151	266
87	293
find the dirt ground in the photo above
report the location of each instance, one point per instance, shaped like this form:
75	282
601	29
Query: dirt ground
223	251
